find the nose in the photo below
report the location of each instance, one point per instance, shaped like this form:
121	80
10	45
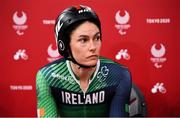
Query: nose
92	46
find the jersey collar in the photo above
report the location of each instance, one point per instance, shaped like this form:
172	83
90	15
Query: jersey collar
77	79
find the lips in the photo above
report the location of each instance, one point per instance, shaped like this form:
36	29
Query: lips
93	56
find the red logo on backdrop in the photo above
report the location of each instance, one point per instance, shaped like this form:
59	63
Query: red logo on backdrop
158	54
122	21
82	9
20	21
53	53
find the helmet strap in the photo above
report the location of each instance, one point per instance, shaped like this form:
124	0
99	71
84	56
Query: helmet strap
80	65
71	58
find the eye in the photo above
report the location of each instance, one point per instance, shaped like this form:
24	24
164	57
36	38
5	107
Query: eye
82	40
98	37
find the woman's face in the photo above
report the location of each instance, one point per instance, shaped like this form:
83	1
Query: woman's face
86	43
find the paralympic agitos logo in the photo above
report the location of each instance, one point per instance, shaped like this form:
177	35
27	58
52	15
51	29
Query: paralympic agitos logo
20	19
122	22
52	53
158	55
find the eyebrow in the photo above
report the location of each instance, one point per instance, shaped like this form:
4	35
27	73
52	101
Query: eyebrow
88	36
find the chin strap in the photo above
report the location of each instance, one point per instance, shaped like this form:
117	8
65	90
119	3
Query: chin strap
80	65
71	58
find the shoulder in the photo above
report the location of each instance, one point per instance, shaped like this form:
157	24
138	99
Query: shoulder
51	67
116	69
54	63
112	64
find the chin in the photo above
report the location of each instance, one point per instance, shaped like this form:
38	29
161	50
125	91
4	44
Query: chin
91	63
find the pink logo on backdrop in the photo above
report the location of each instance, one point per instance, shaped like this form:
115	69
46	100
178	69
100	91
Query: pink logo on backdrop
123	54
158	87
21	87
158	55
20	54
48	22
53	53
122	22
20	20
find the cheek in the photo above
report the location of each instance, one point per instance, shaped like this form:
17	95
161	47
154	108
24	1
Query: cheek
76	50
99	47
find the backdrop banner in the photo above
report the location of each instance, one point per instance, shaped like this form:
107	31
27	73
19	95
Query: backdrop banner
140	34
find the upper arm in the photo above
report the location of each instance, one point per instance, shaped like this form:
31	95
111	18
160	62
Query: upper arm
120	101
45	102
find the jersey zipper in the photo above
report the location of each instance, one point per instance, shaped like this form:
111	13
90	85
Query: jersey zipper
77	81
84	97
84	107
